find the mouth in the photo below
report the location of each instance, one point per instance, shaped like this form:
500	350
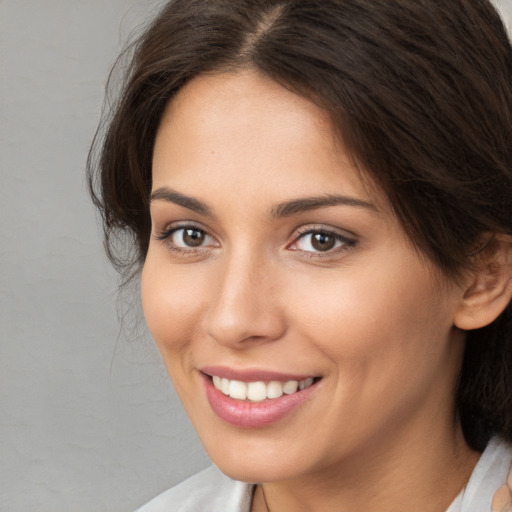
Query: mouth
254	399
259	391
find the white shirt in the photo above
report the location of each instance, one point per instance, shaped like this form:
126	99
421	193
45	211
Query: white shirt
489	475
212	491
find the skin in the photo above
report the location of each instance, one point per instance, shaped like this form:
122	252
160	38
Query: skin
502	500
372	317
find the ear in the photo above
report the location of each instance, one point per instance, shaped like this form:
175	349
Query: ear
488	289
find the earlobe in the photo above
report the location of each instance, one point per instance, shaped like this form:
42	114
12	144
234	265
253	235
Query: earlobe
489	288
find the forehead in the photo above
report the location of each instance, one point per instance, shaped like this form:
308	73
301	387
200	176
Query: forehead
248	132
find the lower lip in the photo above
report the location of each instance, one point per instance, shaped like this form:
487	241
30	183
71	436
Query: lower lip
254	414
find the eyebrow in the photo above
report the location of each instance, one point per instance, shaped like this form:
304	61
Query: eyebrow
312	203
280	210
171	196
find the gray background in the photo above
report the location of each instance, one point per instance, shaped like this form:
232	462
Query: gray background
87	421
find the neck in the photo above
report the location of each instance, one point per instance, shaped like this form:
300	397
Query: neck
424	475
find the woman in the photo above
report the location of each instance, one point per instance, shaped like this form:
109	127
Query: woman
319	195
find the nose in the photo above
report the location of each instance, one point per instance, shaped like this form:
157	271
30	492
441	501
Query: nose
244	307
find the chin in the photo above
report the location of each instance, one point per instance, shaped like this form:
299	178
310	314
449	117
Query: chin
264	463
254	472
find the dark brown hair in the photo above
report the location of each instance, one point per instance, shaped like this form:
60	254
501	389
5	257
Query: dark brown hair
421	94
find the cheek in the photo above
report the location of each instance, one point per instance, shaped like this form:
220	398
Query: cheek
378	315
171	304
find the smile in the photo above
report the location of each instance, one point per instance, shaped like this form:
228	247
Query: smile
255	399
259	391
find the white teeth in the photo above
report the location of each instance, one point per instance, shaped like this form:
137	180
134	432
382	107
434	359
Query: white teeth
238	390
256	391
303	384
274	389
217	382
290	387
224	386
259	391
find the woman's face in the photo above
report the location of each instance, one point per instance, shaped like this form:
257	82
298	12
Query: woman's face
273	266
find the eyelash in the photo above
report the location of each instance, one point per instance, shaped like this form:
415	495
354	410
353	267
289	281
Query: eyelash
165	236
346	242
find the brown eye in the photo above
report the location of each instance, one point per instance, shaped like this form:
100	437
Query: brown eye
317	241
322	241
193	237
188	239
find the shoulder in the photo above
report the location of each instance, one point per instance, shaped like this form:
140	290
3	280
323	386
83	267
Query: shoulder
489	476
207	491
502	499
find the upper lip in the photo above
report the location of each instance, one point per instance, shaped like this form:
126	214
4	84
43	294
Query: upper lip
252	374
